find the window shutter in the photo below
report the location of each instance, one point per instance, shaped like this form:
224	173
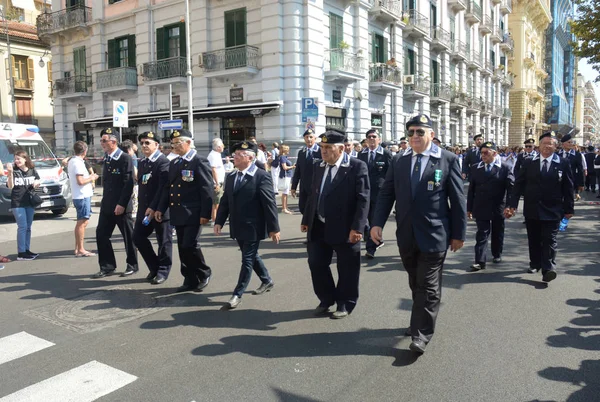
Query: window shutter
49	64
160	43
229	29
182	38
385	50
131	50
15	72
113	56
7	67
373	39
30	72
240	29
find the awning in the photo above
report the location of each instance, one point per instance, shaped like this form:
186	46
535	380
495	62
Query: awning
24	4
215	111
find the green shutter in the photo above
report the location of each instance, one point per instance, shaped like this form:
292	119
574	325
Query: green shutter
336	31
235	27
240	27
79	66
374	47
229	29
182	37
385	50
160	44
113	54
131	50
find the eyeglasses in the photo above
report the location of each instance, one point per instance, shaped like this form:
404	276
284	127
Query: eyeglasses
145	142
176	143
419	131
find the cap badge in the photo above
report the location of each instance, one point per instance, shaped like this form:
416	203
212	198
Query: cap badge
108	131
176	133
423	119
150	134
244	145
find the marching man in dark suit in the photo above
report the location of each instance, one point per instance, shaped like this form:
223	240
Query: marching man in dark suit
190	206
570	153
304	168
546	181
590	179
117	182
426	185
335	217
378	161
472	157
528	153
249	203
153	182
490	184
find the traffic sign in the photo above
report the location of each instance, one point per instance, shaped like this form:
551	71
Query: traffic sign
310	109
170	124
120	114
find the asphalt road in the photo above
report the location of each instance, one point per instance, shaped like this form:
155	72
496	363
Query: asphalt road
501	335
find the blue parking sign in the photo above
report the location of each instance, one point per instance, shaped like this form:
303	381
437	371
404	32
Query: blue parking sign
310	109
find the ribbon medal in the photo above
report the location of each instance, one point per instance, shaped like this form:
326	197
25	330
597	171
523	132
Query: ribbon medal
560	175
146	177
430	186
187	175
438	177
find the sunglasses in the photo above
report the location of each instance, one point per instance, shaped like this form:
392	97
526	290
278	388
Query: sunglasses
528	146
485	153
419	131
145	142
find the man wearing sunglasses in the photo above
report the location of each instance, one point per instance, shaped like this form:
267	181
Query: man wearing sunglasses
153	181
426	185
190	205
378	161
472	157
491	183
117	183
528	153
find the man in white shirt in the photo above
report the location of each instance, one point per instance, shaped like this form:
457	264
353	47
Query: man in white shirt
81	188
218	173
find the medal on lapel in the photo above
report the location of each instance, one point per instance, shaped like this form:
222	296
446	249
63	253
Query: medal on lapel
187	175
560	175
146	177
438	177
430	186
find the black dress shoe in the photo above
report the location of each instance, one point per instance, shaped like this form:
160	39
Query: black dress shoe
185	288
129	271
102	274
408	332
151	276
203	284
549	276
321	310
476	267
418	346
158	280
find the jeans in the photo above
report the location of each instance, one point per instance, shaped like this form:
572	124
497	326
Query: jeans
24	218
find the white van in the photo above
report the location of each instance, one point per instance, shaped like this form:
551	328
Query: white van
54	189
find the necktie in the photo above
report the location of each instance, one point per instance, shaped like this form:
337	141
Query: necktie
371	157
488	168
309	154
238	180
545	167
107	158
416	175
324	191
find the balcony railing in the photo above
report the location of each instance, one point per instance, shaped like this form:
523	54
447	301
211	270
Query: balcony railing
457	5
116	77
419	84
74	84
506	6
507	43
440	36
391	6
339	60
27	120
497	34
473	103
26	84
486	25
382	72
474	13
62	20
418	21
458	49
441	91
166	68
231	57
507	113
458	97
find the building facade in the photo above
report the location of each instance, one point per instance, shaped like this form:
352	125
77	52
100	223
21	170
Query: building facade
591	115
528	23
25	79
560	65
273	69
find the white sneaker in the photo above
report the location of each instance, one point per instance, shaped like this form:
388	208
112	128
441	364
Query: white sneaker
234	302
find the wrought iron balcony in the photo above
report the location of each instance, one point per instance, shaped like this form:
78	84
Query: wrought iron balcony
165	71
440	93
506	7
473	14
473	104
440	38
117	79
474	59
508	80
417	24
457	5
76	17
486	108
458	98
78	86
419	88
458	50
486	25
344	66
230	61
384	77
507	113
23	84
507	44
386	10
497	34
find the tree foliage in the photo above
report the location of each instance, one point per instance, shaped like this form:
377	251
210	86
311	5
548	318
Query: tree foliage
586	27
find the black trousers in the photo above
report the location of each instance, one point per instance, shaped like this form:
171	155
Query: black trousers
541	236
320	253
590	180
484	227
369	243
303	198
158	264
425	281
193	266
104	231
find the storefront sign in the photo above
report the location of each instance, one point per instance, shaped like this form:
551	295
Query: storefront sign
336	96
236	94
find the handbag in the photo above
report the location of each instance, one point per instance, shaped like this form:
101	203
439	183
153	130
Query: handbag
35	199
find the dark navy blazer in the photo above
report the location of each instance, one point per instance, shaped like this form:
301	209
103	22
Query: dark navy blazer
488	192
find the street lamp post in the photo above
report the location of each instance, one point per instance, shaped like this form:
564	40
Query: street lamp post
11	78
188	50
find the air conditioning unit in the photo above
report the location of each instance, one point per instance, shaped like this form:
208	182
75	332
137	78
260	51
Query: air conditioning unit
409	80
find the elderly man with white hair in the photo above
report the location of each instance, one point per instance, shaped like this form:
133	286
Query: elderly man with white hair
218	173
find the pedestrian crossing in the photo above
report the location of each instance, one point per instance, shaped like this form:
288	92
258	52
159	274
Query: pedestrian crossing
85	383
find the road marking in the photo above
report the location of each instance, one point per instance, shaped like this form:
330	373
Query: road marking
21	344
82	384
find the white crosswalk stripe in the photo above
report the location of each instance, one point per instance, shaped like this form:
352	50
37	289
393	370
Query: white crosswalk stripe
81	384
22	344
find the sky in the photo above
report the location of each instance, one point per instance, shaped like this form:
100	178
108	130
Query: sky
588	73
